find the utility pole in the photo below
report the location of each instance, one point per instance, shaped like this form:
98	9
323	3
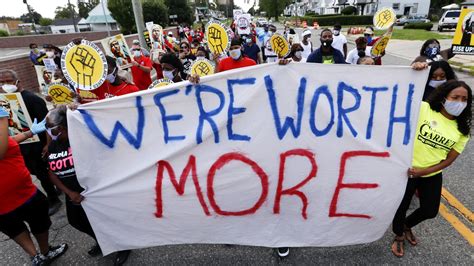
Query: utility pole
73	15
31	15
138	12
105	17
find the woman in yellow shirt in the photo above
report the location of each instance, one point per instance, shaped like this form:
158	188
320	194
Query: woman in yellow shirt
442	133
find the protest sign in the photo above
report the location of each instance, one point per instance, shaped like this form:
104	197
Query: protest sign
243	24
84	65
384	18
269	155
160	83
44	77
49	64
378	49
202	67
60	93
279	45
117	47
19	120
218	37
463	42
236	13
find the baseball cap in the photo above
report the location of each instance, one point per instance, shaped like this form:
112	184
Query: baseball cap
368	31
306	32
137	42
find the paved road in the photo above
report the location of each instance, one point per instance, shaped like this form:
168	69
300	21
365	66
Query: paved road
439	243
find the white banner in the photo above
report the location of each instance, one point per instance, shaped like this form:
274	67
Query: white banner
296	155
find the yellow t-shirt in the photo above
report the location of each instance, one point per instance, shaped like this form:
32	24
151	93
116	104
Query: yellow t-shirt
435	136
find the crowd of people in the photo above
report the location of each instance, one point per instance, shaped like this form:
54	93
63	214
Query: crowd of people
446	102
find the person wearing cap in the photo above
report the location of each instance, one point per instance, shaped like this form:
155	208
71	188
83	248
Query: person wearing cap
326	54
141	68
306	43
236	58
361	50
269	53
339	40
136	45
371	41
53	52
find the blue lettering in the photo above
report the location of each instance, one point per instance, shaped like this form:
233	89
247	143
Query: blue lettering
207	115
342	112
236	110
312	118
289	121
401	119
370	123
165	118
118	127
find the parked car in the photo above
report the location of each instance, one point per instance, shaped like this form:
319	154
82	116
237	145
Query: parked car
449	20
411	19
261	22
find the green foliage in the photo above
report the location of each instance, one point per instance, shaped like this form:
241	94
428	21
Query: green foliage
65	11
26	18
86	6
343	20
20	33
311	13
182	9
349	10
45	21
419	26
4	33
274	7
155	11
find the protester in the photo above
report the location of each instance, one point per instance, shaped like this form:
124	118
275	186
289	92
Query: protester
32	152
442	133
202	53
172	67
53	52
21	201
339	40
156	62
369	36
269	53
296	53
306	44
326	54
440	72
136	45
251	50
36	56
236	59
431	51
361	50
141	68
366	60
115	86
186	57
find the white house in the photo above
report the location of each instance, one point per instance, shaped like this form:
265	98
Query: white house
100	18
66	25
407	7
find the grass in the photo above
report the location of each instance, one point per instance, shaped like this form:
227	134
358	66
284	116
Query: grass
411	34
461	66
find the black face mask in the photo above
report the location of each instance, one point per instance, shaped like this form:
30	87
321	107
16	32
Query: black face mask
361	53
326	43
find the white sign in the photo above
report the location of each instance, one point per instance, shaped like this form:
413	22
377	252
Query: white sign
49	64
265	156
242	24
237	12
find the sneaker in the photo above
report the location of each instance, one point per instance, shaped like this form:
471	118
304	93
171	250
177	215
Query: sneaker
121	257
54	207
95	250
283	252
56	252
38	260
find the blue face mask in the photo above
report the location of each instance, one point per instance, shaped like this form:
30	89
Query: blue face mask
431	52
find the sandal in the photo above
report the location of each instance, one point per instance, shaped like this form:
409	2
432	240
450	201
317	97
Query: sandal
410	237
399	242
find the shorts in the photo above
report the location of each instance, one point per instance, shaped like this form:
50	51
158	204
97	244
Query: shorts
34	212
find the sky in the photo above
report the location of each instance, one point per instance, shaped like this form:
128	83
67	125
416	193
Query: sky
15	8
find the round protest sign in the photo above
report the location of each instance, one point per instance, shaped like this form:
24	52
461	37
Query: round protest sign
160	83
60	93
84	65
280	45
218	37
202	67
379	47
384	18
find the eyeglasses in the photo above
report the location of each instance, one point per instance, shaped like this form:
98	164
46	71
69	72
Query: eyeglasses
184	47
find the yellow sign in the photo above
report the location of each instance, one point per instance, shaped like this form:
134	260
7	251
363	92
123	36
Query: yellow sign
384	18
280	45
60	93
218	37
202	67
463	43
378	49
84	65
160	83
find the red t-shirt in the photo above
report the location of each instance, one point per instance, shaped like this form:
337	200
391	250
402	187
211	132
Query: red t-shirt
159	70
16	186
141	78
93	95
121	89
229	63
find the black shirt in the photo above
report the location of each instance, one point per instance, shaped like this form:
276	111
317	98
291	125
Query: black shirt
36	107
60	162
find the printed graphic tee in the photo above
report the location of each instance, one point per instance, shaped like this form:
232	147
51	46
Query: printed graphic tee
435	135
60	162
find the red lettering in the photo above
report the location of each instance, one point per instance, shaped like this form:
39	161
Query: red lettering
59	164
179	186
51	166
340	185
294	190
223	160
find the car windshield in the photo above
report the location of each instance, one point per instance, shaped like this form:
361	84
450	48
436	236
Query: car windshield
453	14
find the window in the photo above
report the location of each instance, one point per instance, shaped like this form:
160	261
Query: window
396	6
415	8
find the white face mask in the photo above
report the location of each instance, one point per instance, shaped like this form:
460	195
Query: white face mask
298	54
436	83
235	54
168	74
137	53
50	54
10	88
50	133
200	57
111	77
454	108
335	32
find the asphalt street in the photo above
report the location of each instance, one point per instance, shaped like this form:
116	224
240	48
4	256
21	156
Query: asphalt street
439	241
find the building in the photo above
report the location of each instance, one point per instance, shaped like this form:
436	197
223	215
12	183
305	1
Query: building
100	18
407	7
66	25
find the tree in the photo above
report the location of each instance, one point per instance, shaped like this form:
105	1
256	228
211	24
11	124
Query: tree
86	6
156	11
45	21
65	12
27	17
274	7
182	9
